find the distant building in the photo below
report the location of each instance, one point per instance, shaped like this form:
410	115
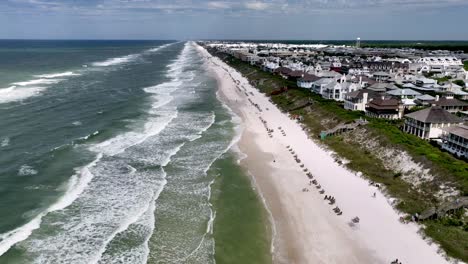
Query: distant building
404	93
450	104
455	140
428	123
382	87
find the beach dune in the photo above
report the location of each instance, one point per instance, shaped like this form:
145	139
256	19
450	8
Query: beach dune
306	229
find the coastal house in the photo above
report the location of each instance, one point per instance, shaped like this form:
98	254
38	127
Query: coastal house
404	93
357	100
381	76
318	86
307	81
449	104
270	66
428	123
385	107
329	74
382	87
337	90
455	140
424	99
295	75
283	71
424	82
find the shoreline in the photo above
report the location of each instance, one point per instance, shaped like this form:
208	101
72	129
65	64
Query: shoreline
308	230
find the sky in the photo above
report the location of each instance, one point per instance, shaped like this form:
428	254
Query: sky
242	19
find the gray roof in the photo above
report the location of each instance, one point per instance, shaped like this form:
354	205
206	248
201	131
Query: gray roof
381	73
425	97
309	78
460	130
359	93
330	74
436	115
323	81
401	92
444	101
379	87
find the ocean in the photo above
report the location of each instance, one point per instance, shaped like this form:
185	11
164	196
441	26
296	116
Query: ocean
109	152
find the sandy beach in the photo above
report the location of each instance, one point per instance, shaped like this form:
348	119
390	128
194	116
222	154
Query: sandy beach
305	227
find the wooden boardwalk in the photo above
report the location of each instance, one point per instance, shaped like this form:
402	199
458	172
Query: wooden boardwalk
341	128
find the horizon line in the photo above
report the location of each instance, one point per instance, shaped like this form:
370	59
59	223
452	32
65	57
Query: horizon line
226	39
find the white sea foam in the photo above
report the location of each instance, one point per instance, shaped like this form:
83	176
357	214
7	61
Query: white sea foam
13	93
22	90
162	96
116	61
141	191
159	48
5	142
38	81
55	75
120	143
26	170
75	186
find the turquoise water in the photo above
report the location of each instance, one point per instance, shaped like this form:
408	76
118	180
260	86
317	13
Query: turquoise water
104	152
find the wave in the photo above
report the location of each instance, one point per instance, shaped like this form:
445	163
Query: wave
162	96
38	81
55	75
95	133
90	189
127	58
13	93
116	61
76	185
26	170
160	47
5	142
32	87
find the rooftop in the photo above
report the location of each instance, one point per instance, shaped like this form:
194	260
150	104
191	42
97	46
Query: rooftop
460	130
436	115
444	101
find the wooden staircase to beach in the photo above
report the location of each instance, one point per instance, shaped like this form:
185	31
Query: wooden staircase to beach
341	128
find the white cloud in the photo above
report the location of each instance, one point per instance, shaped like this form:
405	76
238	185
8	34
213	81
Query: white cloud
256	5
219	5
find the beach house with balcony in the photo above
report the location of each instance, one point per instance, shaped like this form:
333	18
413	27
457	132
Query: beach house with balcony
307	81
337	90
455	140
385	107
319	85
450	104
428	123
357	100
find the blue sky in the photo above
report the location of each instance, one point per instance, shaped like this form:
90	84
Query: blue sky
242	19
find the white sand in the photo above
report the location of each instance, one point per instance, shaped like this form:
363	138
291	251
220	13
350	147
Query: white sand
307	230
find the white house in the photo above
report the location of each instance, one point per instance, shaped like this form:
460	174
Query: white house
337	90
307	81
455	140
404	93
357	100
429	123
318	86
